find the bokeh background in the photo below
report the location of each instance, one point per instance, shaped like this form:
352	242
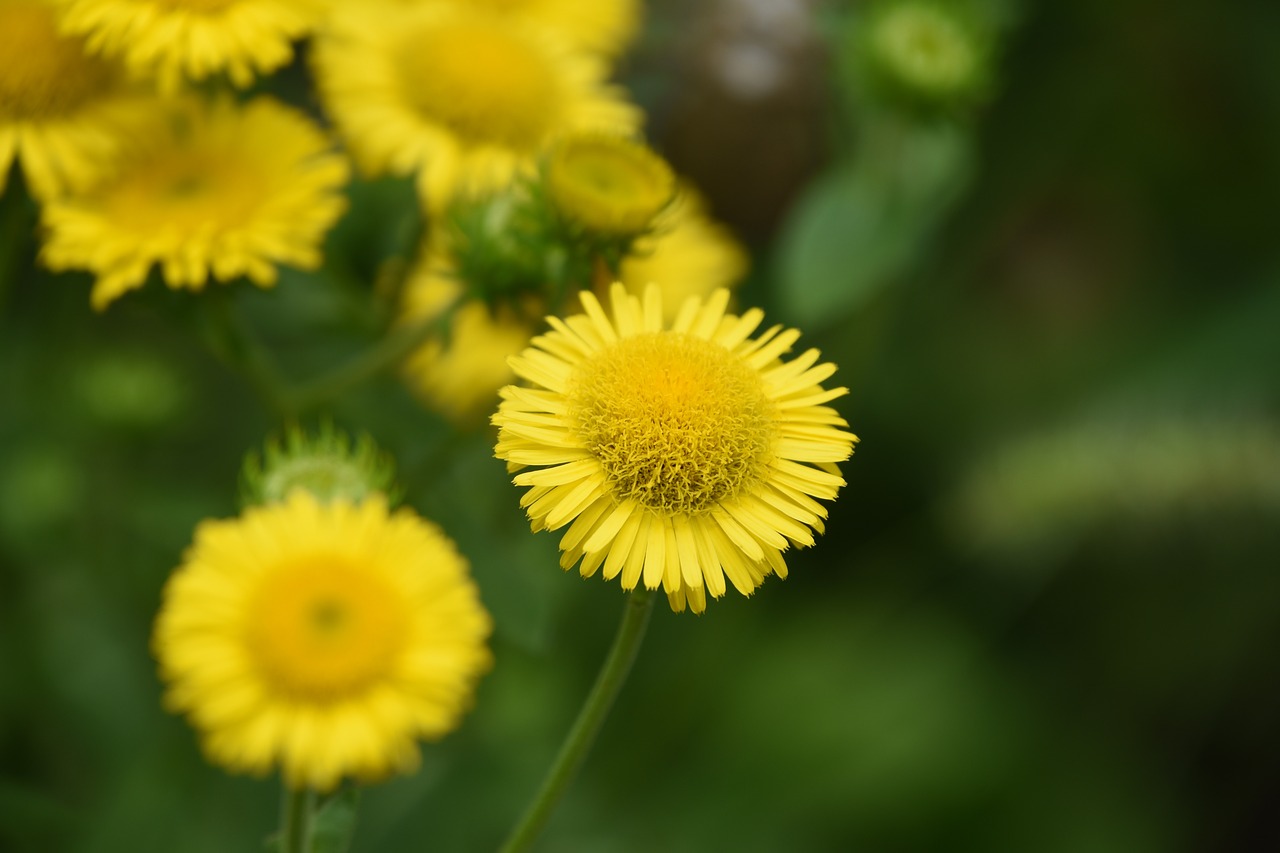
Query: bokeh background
1045	615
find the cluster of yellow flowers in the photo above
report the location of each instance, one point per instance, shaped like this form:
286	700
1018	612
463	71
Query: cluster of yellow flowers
135	169
320	631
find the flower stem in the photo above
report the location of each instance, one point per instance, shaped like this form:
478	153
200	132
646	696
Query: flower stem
296	811
613	673
232	340
382	356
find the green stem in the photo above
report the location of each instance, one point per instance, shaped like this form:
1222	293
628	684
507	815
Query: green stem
296	812
233	341
382	356
17	225
626	643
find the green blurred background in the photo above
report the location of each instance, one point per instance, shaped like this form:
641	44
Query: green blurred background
1046	613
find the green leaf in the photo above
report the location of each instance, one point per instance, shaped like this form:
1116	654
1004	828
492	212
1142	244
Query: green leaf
384	221
332	825
335	822
861	226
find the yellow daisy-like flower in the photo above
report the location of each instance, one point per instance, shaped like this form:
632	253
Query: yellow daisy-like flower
463	98
606	26
607	185
323	639
459	374
65	116
173	40
687	254
679	455
221	190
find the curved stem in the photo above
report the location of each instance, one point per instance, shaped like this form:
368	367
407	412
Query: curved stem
17	227
613	673
296	812
232	340
382	356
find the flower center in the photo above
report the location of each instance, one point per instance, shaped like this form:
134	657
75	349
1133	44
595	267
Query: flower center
324	631
677	422
608	184
925	47
43	74
188	190
485	84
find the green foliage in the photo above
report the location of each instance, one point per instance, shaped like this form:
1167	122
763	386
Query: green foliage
861	227
1043	614
332	827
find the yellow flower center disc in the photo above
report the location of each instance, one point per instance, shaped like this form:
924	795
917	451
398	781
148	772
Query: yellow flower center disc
42	73
483	83
677	422
190	190
608	184
325	631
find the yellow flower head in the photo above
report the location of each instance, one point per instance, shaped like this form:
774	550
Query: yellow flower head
323	639
220	190
463	98
459	371
607	185
606	26
601	26
678	454
64	115
686	254
173	40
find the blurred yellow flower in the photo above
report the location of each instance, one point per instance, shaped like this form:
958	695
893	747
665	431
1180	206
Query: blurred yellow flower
323	639
607	185
459	371
462	98
606	26
221	190
176	40
686	254
679	454
64	115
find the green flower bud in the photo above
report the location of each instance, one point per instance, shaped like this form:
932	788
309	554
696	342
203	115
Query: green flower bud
328	465
921	54
499	246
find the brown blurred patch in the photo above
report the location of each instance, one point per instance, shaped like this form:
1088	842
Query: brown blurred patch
747	120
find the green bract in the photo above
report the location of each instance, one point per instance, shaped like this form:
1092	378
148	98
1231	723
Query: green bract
328	465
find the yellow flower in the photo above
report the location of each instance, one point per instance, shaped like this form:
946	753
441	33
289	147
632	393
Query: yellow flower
606	26
687	254
173	40
463	98
679	455
459	371
324	639
607	185
65	116
221	190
